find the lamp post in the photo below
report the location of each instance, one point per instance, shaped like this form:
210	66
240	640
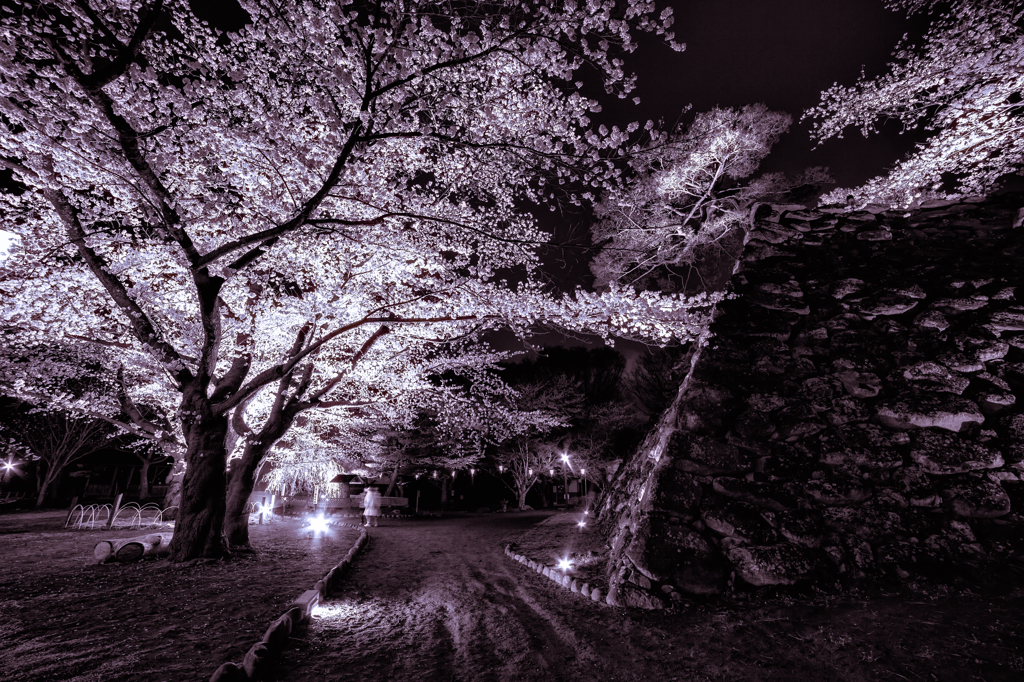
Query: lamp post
565	478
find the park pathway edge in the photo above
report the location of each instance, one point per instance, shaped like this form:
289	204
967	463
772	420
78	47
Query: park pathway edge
256	661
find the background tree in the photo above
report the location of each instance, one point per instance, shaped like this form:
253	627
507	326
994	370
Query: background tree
56	439
964	82
569	402
199	204
688	192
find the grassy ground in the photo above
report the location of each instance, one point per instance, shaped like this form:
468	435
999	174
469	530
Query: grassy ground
65	618
561	537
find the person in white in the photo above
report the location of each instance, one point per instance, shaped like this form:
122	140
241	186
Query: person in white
371	506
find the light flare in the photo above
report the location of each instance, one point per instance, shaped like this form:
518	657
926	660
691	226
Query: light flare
317	524
564	565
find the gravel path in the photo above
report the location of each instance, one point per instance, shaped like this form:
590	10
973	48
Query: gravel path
438	600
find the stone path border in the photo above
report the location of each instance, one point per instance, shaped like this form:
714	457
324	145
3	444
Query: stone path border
254	665
554	575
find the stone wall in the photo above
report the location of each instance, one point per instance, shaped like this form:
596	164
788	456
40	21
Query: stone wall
854	417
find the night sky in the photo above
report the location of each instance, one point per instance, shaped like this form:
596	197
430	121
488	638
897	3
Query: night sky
782	53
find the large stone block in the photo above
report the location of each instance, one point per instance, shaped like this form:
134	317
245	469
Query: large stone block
770	495
638	599
788	461
945	454
942	411
842	491
802	527
913	484
774	565
865	522
864	445
659	547
675	491
977	499
705	455
1014	426
741	521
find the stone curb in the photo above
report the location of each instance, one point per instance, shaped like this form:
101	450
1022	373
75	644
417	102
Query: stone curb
561	579
256	661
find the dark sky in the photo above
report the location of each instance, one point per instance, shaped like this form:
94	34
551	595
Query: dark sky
782	53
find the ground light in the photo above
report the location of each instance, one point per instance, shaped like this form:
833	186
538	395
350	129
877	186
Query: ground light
581	524
564	565
317	525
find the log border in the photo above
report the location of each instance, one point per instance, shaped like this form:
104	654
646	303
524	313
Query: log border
256	662
561	579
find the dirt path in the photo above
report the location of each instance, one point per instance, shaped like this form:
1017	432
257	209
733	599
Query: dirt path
438	600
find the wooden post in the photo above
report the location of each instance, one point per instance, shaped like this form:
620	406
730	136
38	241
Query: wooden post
263	506
273	498
417	501
117	505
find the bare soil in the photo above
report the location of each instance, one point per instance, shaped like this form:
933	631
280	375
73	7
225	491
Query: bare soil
63	618
438	600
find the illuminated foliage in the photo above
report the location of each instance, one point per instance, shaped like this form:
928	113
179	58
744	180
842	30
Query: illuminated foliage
334	184
964	82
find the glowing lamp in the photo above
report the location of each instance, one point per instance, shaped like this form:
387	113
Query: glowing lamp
501	469
317	524
552	472
582	524
564	565
583	471
585	512
531	472
565	458
308	601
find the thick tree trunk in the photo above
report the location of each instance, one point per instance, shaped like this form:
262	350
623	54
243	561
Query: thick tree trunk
444	492
521	496
240	486
172	498
391	484
144	480
199	527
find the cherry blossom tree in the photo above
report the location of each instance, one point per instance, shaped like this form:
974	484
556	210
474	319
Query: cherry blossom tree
964	82
233	215
687	193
